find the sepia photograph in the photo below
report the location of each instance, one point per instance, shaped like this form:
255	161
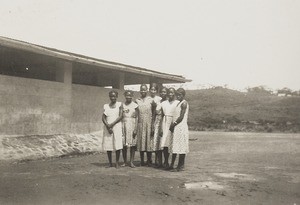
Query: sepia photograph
149	102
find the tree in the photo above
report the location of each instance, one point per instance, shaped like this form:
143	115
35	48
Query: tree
285	91
260	90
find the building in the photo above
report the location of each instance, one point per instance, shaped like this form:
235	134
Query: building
45	91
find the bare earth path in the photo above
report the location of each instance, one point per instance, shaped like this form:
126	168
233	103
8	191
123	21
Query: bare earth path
222	168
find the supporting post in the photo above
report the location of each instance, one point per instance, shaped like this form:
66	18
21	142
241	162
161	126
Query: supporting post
160	85
119	81
151	81
64	72
154	80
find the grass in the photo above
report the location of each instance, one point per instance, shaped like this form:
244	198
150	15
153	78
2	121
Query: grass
231	110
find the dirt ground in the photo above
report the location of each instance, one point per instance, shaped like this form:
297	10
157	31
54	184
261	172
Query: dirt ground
222	168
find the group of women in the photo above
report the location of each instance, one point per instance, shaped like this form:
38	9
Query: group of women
151	124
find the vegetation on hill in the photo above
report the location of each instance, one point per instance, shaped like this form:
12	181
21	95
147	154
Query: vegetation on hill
230	110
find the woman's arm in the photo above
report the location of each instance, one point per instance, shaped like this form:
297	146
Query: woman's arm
153	111
136	122
119	118
161	122
180	118
137	110
104	120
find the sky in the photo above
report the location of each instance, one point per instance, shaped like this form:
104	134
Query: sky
237	43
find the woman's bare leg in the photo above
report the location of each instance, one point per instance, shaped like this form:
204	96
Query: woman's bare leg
159	156
181	162
142	158
149	158
156	158
109	153
117	158
124	153
132	152
173	161
166	156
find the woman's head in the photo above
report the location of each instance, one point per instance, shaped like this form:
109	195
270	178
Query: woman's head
180	94
113	95
171	93
153	89
163	92
143	90
128	95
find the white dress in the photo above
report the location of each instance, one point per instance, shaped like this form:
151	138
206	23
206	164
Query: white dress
180	138
168	109
155	140
129	123
112	142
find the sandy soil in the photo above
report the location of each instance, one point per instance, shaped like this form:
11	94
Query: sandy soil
222	168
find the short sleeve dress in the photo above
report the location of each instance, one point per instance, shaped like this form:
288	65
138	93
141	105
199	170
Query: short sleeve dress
112	142
155	140
180	138
129	120
144	124
168	109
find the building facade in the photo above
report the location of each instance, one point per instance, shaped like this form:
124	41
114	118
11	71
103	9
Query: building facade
45	91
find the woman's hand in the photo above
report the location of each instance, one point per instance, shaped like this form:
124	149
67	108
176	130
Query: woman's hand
161	133
134	134
110	126
152	131
110	130
172	126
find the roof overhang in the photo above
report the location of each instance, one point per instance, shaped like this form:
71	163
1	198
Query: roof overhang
21	45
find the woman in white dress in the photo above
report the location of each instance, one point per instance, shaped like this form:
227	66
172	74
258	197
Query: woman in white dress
163	94
179	128
130	111
168	108
156	121
112	131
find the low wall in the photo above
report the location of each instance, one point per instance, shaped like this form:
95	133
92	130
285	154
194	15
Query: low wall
45	146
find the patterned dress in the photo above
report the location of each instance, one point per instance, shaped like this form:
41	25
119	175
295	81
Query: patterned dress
112	142
180	140
168	109
129	120
155	140
144	123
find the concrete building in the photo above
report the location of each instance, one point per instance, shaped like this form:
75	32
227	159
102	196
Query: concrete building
45	91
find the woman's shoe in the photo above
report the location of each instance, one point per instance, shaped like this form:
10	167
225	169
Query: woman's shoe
169	168
180	169
131	165
149	163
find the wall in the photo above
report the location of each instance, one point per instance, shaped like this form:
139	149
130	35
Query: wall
39	107
29	106
87	107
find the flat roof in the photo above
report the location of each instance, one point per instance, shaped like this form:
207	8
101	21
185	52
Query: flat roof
21	45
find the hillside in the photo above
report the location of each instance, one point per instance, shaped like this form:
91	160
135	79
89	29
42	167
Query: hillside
230	110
